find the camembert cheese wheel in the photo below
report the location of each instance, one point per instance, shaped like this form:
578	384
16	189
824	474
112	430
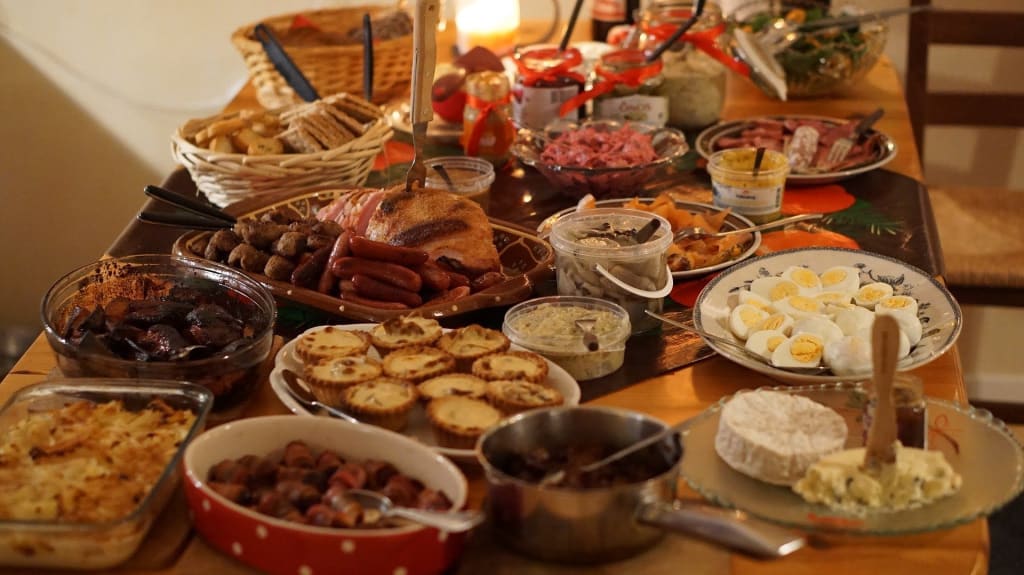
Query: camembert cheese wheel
775	436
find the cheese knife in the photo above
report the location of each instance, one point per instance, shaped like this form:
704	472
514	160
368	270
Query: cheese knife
885	343
424	58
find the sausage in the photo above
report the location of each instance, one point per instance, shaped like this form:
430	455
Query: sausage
349	294
320	515
434	278
451	295
307	273
229	471
387	272
236	492
366	248
349	475
297	454
457	279
300	495
329	462
486	280
367	286
379	472
338	251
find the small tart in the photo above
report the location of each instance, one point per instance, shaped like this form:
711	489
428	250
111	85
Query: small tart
331	341
471	343
417	363
402	332
514	396
458	421
385	402
329	378
520	365
461	384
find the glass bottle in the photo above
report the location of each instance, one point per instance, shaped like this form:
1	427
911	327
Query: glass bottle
487	130
545	79
607	14
628	88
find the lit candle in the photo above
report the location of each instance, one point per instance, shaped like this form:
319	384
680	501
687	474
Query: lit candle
491	24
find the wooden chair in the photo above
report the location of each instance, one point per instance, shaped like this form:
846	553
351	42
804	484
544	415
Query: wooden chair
981	230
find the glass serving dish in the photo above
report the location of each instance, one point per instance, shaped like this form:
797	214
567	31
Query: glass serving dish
99	545
602	182
231	375
978	446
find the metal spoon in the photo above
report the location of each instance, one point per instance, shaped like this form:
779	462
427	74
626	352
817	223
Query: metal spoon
699	232
302	395
737	347
447	521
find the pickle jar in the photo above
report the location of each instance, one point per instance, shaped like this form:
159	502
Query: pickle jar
487	130
694	77
546	78
628	88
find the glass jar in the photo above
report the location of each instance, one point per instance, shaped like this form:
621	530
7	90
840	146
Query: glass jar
694	78
545	79
911	410
628	88
487	130
756	194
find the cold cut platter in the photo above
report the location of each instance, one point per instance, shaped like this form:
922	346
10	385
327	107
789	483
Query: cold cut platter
280	242
872	150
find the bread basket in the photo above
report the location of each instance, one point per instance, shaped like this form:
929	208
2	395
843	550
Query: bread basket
226	178
330	68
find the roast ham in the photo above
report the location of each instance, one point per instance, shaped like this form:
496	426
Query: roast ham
453	230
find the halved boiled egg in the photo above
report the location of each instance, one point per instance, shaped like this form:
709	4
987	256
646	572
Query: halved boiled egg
820	326
904	347
834	297
870	294
764	342
902	303
844	279
807	281
747	296
854	319
797	306
774	288
909	324
744	318
777	322
849	355
803	350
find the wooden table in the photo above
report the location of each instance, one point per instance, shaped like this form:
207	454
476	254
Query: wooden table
673	397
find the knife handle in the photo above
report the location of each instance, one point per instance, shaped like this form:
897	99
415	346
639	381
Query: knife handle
424	57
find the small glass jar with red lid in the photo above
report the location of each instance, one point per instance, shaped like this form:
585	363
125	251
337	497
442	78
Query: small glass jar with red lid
546	78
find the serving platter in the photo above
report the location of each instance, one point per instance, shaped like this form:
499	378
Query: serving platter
733	221
525	260
978	446
938	311
419	427
705	146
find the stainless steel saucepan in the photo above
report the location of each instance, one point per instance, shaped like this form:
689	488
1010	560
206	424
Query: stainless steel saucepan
592	524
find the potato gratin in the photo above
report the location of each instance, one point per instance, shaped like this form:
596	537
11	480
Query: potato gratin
86	462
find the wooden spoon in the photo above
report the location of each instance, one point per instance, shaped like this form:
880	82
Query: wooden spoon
885	343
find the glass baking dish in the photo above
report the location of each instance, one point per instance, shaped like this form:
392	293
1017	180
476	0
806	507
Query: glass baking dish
49	543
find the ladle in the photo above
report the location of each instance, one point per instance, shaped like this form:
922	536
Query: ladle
447	521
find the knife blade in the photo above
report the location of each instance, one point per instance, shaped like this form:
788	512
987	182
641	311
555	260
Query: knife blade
424	58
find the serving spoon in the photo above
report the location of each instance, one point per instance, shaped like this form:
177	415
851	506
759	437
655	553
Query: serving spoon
447	521
699	232
302	395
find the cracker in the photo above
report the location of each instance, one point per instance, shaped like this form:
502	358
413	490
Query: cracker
299	139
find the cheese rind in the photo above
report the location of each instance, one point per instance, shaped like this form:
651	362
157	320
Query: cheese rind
775	436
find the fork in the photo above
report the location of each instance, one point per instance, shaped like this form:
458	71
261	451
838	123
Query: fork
841	147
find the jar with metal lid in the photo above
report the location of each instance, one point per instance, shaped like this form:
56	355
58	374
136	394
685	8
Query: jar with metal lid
693	66
626	87
487	130
546	78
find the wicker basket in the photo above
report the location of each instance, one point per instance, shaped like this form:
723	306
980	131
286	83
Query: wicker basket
331	69
228	178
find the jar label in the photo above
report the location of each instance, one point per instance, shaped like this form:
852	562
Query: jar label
535	107
748	201
635	108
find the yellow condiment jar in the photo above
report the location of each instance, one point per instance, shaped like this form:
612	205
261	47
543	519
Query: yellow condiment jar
734	184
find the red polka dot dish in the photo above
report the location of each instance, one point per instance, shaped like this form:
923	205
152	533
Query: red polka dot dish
279	546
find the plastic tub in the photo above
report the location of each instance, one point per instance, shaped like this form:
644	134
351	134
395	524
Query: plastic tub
471	177
634	276
547	326
758	196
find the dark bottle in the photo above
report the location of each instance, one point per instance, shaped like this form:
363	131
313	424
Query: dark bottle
606	14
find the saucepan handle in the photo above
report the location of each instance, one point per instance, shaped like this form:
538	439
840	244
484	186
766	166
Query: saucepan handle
728	527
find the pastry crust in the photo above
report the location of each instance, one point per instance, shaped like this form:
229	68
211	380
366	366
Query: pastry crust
457	421
472	342
514	396
328	379
459	384
417	363
400	332
384	402
516	365
329	342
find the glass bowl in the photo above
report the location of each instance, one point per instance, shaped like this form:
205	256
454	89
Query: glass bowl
825	61
45	543
231	373
601	182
